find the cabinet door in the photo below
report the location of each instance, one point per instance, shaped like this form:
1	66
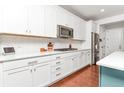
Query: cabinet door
68	66
61	16
88	57
50	21
42	75
36	20
21	77
15	19
82	29
82	61
76	62
69	19
77	28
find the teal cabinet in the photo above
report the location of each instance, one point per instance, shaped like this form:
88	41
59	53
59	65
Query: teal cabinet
111	77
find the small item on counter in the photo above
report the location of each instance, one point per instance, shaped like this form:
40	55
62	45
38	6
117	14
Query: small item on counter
70	46
43	50
50	46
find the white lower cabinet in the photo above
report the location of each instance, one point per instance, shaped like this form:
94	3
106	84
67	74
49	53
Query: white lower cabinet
42	71
68	65
41	74
76	61
21	77
31	72
88	57
57	75
57	69
85	58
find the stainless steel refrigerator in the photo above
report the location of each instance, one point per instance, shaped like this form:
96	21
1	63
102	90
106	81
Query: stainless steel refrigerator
94	47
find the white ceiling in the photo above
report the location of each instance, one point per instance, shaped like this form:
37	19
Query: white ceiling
92	12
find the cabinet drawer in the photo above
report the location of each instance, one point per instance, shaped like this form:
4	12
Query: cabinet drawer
18	64
57	75
27	62
46	59
57	68
56	63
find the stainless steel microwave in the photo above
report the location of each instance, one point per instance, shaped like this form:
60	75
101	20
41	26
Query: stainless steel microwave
64	31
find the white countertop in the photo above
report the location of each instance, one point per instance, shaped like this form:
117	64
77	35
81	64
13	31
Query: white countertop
32	55
114	60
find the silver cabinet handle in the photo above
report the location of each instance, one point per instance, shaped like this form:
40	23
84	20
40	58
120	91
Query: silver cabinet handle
58	68
58	62
58	57
32	63
58	74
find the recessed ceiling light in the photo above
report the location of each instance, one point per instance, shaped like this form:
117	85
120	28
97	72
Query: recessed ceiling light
102	10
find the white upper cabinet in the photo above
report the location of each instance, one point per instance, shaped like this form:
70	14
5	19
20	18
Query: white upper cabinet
27	20
36	20
70	20
83	30
15	19
40	21
79	28
61	16
50	21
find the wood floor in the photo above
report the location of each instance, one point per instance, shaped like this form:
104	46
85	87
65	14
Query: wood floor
87	77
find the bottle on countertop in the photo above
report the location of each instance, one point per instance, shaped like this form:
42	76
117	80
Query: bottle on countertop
50	46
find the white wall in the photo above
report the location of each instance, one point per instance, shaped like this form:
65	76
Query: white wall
32	45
